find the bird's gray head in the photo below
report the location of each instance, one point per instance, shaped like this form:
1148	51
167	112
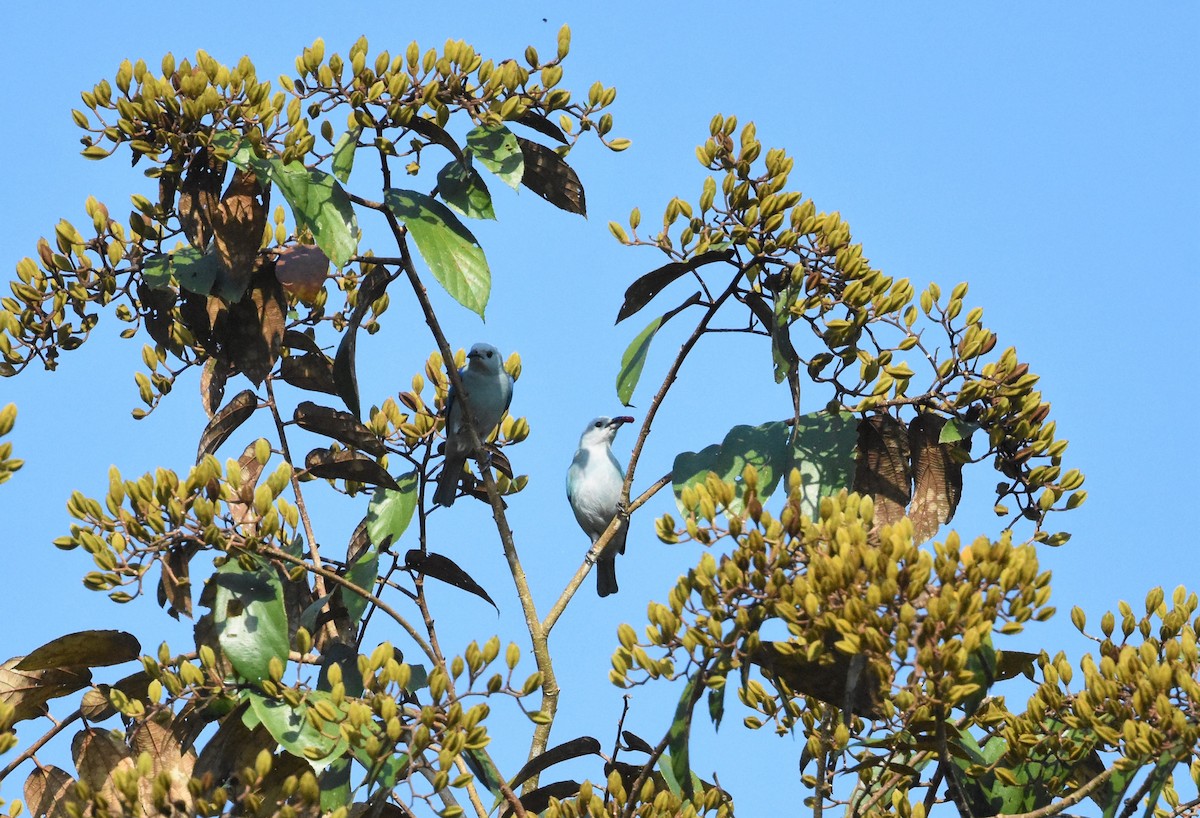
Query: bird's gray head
484	357
602	430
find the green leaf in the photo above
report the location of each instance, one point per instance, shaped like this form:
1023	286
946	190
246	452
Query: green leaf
292	729
321	205
343	154
675	765
463	190
189	267
765	447
335	785
497	148
823	449
385	771
956	430
391	510
362	573
250	618
485	771
633	360
452	253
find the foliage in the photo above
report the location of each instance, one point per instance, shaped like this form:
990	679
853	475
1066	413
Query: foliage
894	646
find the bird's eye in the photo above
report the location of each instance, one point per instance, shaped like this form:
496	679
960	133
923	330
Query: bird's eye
598	424
489	354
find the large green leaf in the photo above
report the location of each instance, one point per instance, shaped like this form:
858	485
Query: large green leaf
250	618
463	190
452	253
190	268
823	449
764	447
391	510
320	204
675	764
343	154
291	727
317	200
633	360
497	149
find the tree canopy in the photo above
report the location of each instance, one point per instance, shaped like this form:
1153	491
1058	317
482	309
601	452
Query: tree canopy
831	595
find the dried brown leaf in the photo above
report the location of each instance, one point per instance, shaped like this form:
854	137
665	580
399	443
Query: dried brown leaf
47	790
238	222
97	755
547	175
84	649
882	469
937	477
348	465
225	422
199	197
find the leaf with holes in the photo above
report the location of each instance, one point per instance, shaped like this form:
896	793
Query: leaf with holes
343	154
882	469
547	175
823	449
249	618
448	247
764	447
497	149
463	189
937	476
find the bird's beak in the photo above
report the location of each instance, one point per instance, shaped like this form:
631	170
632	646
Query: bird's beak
618	422
473	354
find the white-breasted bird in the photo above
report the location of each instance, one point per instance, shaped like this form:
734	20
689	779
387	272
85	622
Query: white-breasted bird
489	391
594	483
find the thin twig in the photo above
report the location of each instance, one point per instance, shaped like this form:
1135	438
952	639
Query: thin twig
32	749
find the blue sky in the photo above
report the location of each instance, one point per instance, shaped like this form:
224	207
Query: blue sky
1043	152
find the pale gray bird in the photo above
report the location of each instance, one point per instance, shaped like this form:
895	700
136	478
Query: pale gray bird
489	389
594	483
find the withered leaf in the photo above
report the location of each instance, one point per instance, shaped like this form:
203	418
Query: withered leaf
294	339
232	748
97	755
301	270
253	331
547	175
47	790
98	648
445	569
339	425
436	134
28	691
937	476
539	123
175	585
212	385
582	746
238	222
829	683
538	800
347	465
882	469
241	507
163	738
225	422
312	372
345	377
199	197
642	291
157	310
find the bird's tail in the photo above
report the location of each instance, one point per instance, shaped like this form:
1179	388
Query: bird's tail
447	486
606	576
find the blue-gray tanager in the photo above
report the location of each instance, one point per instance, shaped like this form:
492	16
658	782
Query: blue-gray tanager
489	390
594	483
